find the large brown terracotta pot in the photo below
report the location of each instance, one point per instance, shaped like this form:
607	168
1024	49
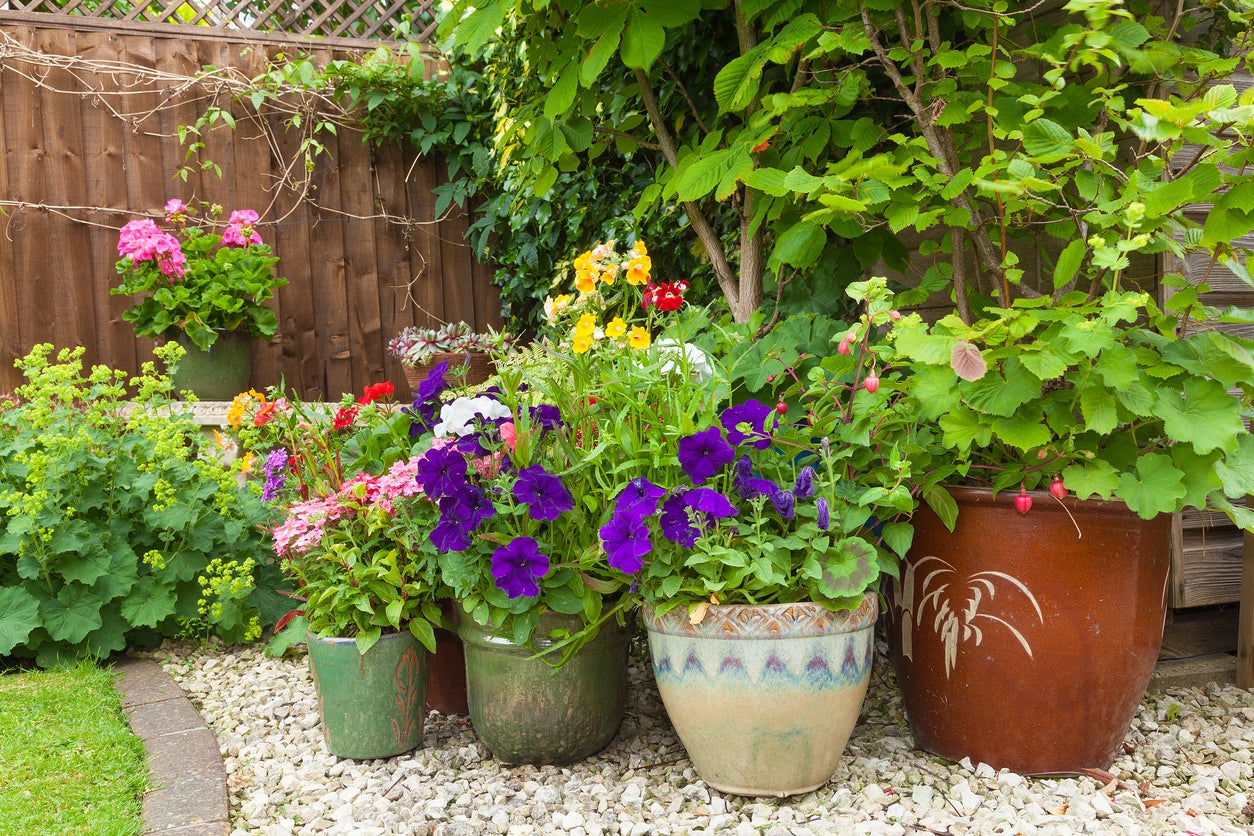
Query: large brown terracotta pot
1027	641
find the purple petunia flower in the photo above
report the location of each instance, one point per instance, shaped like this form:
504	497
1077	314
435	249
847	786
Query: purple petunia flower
746	424
543	493
703	454
825	518
426	403
518	567
469	507
441	472
709	501
804	488
785	503
276	473
546	417
676	525
626	541
639	497
433	385
448	535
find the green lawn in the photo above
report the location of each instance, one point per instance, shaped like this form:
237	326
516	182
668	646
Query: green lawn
68	761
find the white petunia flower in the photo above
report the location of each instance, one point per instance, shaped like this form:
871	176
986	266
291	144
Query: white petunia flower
698	364
457	418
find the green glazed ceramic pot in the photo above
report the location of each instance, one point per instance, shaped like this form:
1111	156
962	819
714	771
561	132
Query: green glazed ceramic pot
528	712
218	374
371	705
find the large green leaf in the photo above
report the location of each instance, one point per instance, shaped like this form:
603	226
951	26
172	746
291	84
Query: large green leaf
1236	470
1046	140
800	245
642	42
1155	487
19	615
1099	408
1095	478
737	83
1002	393
73	614
1206	416
149	603
1024	430
963	428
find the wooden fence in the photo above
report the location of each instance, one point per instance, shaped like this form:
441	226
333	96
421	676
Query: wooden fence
89	127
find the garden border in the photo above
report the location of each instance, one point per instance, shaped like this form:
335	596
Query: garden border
188	794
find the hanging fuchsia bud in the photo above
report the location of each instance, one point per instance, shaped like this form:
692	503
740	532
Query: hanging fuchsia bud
894	315
842	347
1023	502
871	382
1057	488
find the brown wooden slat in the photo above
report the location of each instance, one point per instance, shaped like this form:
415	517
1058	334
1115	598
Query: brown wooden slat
426	288
392	258
11	346
365	327
1212	573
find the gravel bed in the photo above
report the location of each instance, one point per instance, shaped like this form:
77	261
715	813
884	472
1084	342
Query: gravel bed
1187	768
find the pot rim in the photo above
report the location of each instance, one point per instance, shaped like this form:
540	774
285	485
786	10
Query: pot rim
730	621
971	495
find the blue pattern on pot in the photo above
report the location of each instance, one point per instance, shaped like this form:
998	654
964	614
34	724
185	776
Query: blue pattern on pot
764	698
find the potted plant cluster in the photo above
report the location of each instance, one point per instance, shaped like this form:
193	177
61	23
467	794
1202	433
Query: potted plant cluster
350	512
755	541
468	353
206	283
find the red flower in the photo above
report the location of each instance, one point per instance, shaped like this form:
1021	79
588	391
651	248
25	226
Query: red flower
669	297
263	415
344	418
376	392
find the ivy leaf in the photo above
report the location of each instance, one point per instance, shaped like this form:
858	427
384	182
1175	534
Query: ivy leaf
19	616
73	614
1156	486
1206	416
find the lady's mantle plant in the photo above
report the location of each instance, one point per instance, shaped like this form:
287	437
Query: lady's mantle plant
112	518
196	279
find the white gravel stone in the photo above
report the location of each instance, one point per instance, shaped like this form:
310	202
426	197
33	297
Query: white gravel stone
1190	774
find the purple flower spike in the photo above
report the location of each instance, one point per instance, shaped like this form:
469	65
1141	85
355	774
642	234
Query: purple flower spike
676	525
544	493
804	489
709	501
276	473
825	516
518	567
626	541
785	503
442	472
639	498
703	454
746	424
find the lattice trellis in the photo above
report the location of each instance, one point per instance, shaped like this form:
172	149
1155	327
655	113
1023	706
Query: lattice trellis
358	19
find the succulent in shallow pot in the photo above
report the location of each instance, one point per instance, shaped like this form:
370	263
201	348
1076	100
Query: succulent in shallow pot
414	345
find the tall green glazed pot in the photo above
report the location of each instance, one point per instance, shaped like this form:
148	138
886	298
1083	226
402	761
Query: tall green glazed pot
527	711
218	374
764	697
371	704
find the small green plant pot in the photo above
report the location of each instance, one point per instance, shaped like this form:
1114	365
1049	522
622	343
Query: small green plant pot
371	705
218	374
526	711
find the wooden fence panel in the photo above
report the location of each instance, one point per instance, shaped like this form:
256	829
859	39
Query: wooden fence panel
89	121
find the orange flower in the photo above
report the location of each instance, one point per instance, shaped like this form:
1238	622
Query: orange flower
638	270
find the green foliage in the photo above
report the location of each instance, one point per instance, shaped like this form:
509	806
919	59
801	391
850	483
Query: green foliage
1100	392
71	763
112	513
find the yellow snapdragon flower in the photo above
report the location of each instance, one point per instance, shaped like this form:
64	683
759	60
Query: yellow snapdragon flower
615	328
638	338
